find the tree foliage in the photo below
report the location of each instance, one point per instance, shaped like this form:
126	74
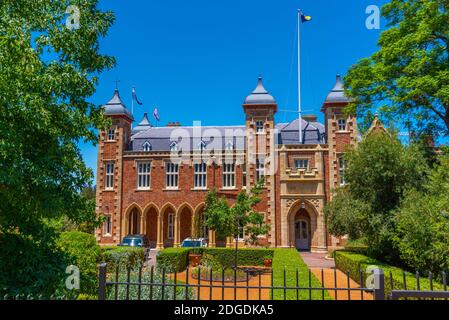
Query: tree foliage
409	76
228	220
47	73
380	171
422	236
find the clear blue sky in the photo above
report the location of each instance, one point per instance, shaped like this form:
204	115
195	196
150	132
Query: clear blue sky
199	59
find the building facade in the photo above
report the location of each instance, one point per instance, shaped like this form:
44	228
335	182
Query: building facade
154	180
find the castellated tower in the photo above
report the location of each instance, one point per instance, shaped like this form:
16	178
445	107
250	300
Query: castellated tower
112	144
260	108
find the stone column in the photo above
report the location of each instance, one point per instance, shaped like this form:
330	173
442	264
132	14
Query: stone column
142	224
160	235
177	231
212	242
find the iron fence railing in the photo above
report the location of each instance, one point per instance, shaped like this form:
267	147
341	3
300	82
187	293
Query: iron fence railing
254	285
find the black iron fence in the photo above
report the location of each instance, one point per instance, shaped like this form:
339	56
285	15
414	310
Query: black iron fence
241	284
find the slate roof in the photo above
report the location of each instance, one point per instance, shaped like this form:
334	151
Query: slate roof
144	125
161	138
116	107
337	94
312	132
260	95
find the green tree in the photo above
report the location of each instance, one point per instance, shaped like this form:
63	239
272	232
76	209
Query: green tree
408	78
380	170
228	221
47	73
422	236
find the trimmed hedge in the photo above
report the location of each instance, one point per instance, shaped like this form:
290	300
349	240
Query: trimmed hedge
124	257
246	256
177	259
352	262
173	259
290	261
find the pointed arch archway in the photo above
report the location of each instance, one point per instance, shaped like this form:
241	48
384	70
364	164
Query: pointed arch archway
303	226
132	221
151	220
167	220
184	223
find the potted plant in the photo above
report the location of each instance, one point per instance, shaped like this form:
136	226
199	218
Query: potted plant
195	254
268	263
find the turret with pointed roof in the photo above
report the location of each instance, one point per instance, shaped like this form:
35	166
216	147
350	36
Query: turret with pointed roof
337	94
116	107
144	125
260	96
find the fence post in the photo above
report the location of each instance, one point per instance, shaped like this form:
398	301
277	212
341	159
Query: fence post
379	284
102	282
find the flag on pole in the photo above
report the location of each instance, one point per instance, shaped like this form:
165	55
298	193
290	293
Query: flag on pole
135	97
305	18
156	114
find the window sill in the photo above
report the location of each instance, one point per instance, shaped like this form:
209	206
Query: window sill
229	189
107	235
171	190
143	190
108	190
199	189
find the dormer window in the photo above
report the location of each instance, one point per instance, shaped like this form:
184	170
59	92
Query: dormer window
174	147
147	147
341	124
229	146
111	135
201	146
260	127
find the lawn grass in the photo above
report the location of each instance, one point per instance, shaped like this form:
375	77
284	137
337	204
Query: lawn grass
290	263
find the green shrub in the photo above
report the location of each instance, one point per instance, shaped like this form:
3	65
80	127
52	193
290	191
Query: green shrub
83	252
173	259
353	262
245	256
30	267
290	261
147	292
123	257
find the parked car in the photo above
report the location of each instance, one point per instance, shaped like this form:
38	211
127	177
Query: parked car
194	243
137	240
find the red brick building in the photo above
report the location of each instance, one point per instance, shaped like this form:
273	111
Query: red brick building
154	180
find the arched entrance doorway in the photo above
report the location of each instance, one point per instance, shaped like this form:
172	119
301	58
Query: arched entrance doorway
302	230
185	224
134	222
168	226
151	226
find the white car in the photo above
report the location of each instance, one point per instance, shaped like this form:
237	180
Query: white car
194	243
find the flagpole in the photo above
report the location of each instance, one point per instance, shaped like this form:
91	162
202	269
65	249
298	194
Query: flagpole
299	77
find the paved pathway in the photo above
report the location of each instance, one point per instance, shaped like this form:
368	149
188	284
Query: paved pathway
331	277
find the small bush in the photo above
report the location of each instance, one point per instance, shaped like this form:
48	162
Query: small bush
290	261
354	262
153	292
123	257
83	252
173	259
